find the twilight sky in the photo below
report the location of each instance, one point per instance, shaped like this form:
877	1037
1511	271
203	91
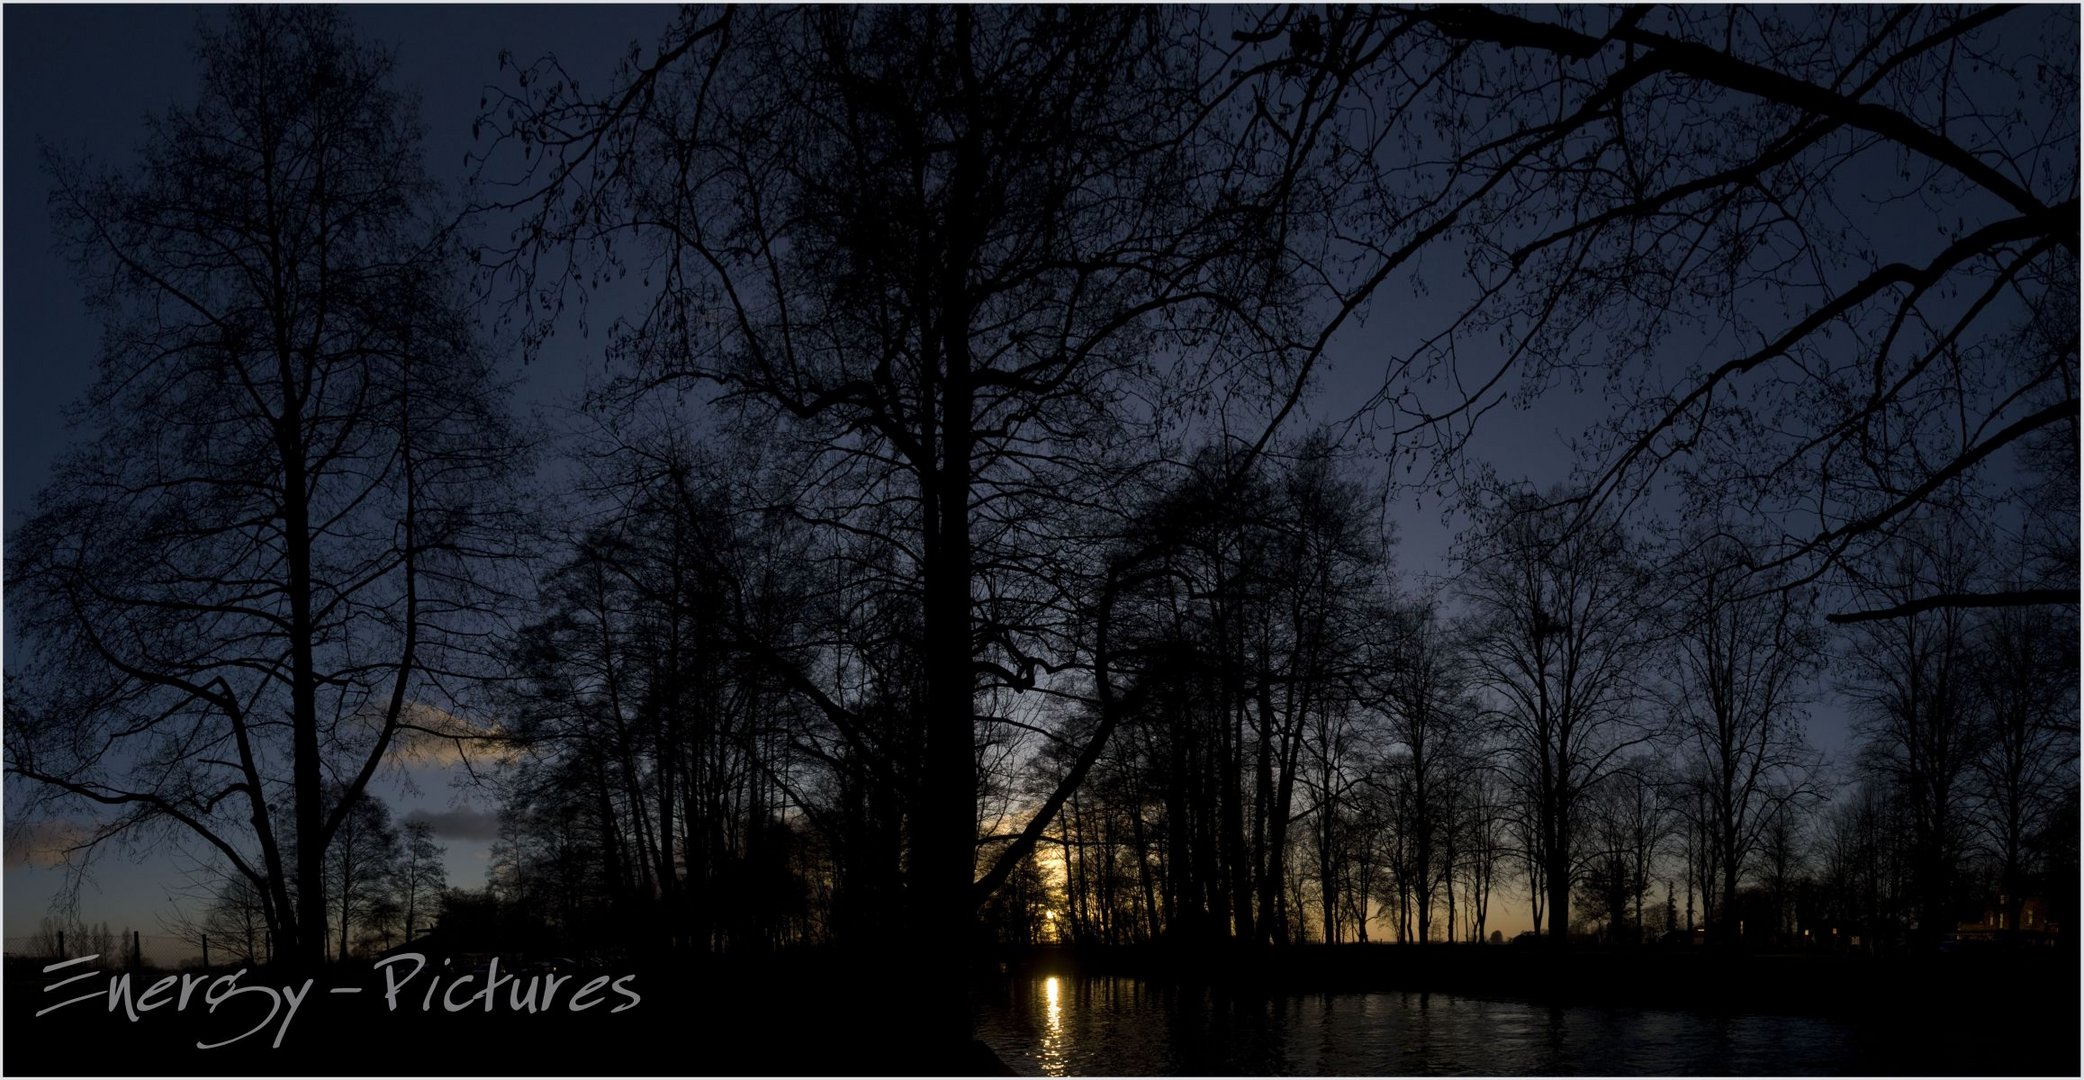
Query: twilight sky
83	79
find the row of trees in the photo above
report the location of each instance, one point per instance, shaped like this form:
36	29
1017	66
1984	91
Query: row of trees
658	798
1298	750
1610	739
385	883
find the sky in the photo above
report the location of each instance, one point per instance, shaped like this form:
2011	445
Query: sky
82	79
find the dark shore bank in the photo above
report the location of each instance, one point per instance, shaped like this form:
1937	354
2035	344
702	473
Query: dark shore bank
2025	982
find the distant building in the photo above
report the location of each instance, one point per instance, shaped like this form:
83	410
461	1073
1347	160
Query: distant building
2034	924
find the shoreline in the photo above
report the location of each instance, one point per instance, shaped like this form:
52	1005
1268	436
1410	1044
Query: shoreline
1845	985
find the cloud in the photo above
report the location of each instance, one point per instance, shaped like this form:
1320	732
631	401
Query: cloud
435	737
459	824
44	843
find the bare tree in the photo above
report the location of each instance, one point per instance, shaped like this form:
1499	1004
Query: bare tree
272	561
1912	680
2022	687
1865	877
58	937
1485	839
1784	852
1432	718
361	864
1630	822
420	876
1556	639
1744	653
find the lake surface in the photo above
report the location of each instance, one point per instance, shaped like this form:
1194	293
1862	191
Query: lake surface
1100	1025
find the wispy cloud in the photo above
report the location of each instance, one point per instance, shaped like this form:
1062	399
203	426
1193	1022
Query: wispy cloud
43	844
439	738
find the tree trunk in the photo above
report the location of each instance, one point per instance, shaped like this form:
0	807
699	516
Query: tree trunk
306	948
1558	873
1143	867
945	846
1732	929
1447	875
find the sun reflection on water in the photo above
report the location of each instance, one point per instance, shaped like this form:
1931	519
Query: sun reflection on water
1052	1057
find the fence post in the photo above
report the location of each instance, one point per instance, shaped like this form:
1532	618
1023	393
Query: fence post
61	946
206	950
137	950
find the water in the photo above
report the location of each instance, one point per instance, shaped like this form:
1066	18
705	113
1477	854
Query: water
1070	1026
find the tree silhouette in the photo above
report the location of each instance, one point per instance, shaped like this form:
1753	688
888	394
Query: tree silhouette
1743	658
1912	680
1557	638
361	866
1629	822
2029	742
664	743
420	875
1432	717
1863	221
59	938
273	561
233	925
